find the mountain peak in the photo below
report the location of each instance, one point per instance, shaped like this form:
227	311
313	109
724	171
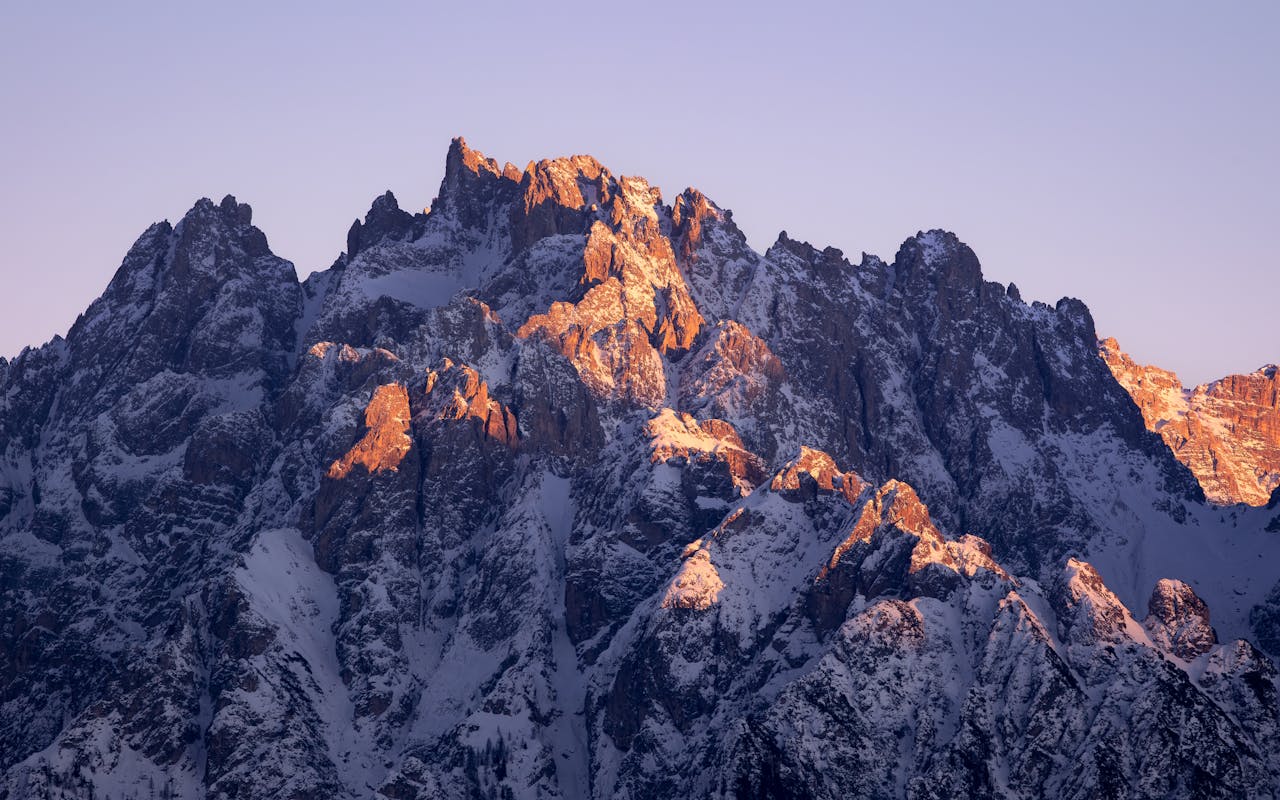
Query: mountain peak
572	182
1088	610
228	211
1178	620
938	257
461	157
472	184
828	261
385	220
229	221
242	213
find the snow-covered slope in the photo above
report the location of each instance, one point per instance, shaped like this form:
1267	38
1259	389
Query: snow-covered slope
558	490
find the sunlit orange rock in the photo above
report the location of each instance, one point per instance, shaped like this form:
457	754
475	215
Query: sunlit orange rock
636	306
895	503
894	548
457	392
813	471
386	439
557	196
469	159
472	184
1227	432
572	182
689	213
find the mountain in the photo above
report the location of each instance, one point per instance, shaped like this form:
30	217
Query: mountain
1227	432
559	489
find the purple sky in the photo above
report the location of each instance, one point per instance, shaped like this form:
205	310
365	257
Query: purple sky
1122	153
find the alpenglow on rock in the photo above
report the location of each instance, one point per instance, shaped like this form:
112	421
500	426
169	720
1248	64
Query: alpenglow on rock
562	490
1227	432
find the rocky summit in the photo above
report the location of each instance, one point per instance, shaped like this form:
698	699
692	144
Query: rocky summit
559	489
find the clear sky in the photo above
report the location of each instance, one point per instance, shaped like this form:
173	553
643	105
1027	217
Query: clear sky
1123	153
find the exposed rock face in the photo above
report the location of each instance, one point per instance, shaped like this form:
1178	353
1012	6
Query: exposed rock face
636	309
557	490
922	371
1227	432
457	392
1179	620
386	441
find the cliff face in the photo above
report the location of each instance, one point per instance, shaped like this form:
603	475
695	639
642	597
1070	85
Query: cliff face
558	490
1227	432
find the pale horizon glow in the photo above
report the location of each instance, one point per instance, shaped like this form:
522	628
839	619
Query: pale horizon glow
1122	154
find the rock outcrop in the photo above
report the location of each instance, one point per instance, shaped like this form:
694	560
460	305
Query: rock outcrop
1227	432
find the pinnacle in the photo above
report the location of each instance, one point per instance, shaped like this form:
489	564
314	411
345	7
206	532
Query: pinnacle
385	220
463	157
229	209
